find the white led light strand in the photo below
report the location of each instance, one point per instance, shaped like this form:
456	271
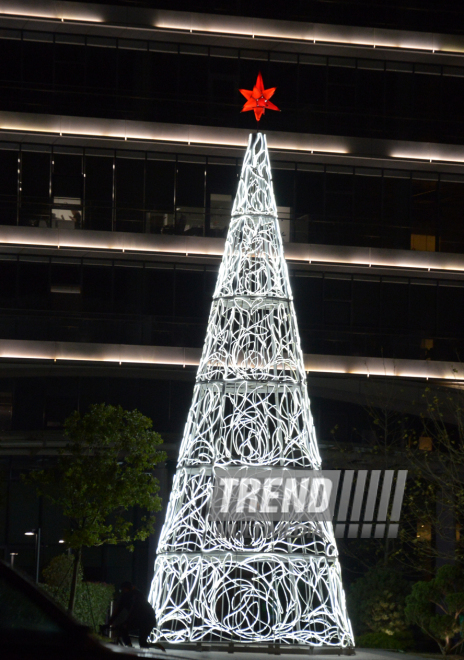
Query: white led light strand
281	582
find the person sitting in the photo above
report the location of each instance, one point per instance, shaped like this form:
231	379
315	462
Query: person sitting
134	613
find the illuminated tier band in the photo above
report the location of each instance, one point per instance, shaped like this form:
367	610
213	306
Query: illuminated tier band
250	407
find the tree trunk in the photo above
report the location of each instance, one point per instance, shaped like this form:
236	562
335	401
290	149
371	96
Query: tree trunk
72	594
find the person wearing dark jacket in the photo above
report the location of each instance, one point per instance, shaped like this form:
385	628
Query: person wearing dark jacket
140	615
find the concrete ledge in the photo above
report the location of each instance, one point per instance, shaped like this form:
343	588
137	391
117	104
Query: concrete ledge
133	22
181	356
81	239
303	147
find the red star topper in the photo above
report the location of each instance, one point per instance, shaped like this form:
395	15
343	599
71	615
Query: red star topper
258	98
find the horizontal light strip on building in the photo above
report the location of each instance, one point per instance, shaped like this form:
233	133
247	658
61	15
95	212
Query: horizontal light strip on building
81	239
179	356
128	18
152	132
83	352
433	157
309	146
299	31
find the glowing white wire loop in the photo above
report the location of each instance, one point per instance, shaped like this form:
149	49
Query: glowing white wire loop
254	582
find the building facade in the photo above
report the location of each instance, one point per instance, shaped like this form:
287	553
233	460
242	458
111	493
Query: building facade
121	141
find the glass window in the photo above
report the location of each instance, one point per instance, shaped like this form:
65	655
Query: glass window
8	186
35	189
221	187
337	289
422	307
222	86
159	189
164	71
366	303
193	81
159	196
284	183
65	286
154	402
101	66
283	76
69	65
35	175
33	285
7	283
310	194
210	279
65	275
336	312
66	213
99	179
127	289
368	197
181	396
339	196
307	293
34	207
341	87
38	62
28	410
424	206
58	406
98	192
10	59
394	303
190	184
159	292
312	84
451	88
426	95
92	390
132	71
129	182
220	207
6	408
67	175
190	199
423	242
124	392
369	93
192	98
396	202
450	304
188	282
129	194
451	213
309	203
398	93
97	288
67	192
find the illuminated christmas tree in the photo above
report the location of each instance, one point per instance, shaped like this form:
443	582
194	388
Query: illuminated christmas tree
250	407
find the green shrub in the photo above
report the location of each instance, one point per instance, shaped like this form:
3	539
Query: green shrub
92	598
58	573
376	602
380	640
437	607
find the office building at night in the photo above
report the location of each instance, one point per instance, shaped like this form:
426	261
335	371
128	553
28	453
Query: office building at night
121	143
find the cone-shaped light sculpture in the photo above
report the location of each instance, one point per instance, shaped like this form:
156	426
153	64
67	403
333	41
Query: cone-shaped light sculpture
250	407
